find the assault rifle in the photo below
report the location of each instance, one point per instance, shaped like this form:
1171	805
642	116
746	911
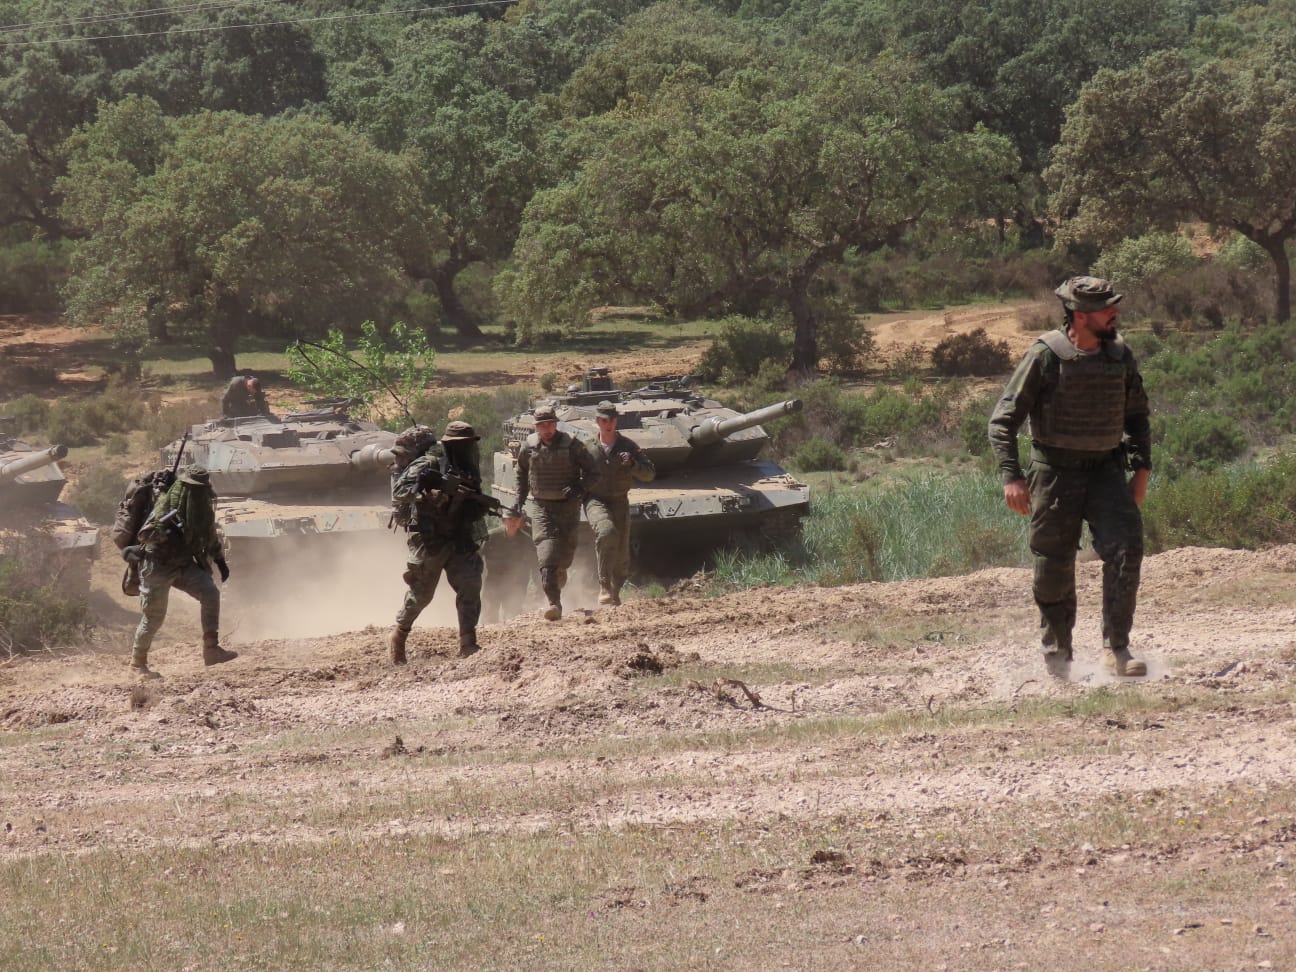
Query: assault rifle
460	492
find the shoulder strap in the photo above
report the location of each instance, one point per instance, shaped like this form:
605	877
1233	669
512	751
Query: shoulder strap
1060	344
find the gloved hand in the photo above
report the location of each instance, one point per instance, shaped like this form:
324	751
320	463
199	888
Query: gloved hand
626	459
133	554
573	492
224	569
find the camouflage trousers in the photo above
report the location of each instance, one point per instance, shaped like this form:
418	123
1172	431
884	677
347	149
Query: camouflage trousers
553	527
610	521
510	564
157	577
1061	501
463	569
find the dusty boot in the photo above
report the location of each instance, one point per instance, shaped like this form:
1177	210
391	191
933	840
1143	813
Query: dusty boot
468	643
396	642
139	665
551	584
606	596
1120	662
213	653
1058	663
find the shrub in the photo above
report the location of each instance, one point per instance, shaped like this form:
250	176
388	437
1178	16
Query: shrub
1199	440
971	354
907	362
1244	506
31	412
844	342
98	492
79	422
819	455
35	609
117	444
547	381
1136	259
974	426
72	423
30	275
743	346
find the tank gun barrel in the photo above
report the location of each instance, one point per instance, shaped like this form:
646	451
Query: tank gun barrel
713	430
373	457
13	468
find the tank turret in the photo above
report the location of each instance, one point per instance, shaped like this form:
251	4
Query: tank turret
30	485
712	485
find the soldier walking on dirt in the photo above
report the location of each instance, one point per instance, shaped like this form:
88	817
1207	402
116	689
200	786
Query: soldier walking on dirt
177	545
607	505
444	532
244	398
556	470
1081	389
510	557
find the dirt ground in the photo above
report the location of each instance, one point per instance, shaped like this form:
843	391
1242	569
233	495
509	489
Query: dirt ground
1089	824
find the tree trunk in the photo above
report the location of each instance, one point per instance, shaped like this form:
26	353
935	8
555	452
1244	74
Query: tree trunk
224	337
805	343
157	324
1277	250
456	314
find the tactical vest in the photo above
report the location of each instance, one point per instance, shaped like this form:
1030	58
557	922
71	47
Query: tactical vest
1084	408
615	480
551	466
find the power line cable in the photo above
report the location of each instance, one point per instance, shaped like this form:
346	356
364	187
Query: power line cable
177	9
266	23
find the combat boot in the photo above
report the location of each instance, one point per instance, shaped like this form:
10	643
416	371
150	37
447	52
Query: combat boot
139	665
607	597
213	653
1058	662
1120	662
396	642
551	583
468	643
553	612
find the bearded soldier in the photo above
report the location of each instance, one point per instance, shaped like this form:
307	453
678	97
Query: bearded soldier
445	529
607	506
178	544
556	470
1081	390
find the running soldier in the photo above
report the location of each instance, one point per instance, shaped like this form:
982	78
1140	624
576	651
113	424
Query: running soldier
620	463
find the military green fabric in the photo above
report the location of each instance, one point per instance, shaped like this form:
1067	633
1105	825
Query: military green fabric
157	577
544	470
610	521
510	565
434	516
615	478
239	402
553	527
196	508
463	570
1061	501
1030	393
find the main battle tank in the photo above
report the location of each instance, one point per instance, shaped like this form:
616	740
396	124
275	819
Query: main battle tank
304	502
711	489
30	485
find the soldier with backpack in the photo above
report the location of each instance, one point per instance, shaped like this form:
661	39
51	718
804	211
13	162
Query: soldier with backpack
176	547
1081	390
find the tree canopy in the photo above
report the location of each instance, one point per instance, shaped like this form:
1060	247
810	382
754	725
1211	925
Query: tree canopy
1168	142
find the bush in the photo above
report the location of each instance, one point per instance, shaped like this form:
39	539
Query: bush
118	408
819	455
744	345
974	427
1244	507
844	342
72	423
167	423
98	492
1136	259
30	276
35	609
971	354
117	445
31	412
1202	441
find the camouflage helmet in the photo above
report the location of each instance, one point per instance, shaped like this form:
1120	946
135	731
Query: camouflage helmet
606	410
1087	294
544	413
414	441
195	475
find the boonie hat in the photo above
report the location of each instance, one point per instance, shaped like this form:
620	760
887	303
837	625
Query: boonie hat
544	413
459	432
606	410
1087	294
195	475
414	440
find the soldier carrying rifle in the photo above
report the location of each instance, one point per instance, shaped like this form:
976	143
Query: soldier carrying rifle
445	530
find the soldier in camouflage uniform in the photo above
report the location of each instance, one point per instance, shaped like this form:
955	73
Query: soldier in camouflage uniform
444	536
177	545
607	506
510	556
1081	390
556	470
243	398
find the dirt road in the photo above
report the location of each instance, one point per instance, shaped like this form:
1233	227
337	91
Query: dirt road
899	712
